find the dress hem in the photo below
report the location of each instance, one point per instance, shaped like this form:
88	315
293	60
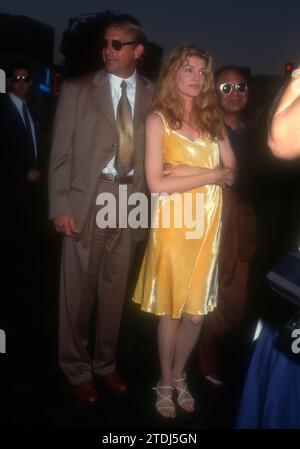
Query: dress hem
175	317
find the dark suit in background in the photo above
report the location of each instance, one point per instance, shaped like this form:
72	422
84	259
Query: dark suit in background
21	203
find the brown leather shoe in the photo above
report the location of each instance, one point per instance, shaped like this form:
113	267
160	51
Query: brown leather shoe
113	381
85	392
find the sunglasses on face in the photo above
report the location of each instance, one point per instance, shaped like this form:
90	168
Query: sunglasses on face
19	78
116	45
226	88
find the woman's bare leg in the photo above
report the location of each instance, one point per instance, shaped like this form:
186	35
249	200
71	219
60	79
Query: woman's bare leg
187	337
167	336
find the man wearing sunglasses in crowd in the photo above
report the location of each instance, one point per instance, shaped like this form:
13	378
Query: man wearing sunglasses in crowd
98	146
21	185
238	237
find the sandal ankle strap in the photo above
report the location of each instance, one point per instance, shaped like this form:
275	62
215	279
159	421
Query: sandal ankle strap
171	387
181	379
163	398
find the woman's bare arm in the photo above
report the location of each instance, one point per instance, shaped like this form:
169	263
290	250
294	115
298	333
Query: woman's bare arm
226	154
284	134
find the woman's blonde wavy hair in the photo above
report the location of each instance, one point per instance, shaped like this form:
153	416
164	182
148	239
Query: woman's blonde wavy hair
205	115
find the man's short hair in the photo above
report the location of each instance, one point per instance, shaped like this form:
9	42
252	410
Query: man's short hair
242	70
16	65
130	24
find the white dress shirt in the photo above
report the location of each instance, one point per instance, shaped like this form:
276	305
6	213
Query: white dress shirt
19	104
116	92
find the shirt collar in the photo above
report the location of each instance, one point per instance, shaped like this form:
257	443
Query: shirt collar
17	101
116	81
241	128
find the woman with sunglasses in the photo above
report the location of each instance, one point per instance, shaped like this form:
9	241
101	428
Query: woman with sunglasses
178	281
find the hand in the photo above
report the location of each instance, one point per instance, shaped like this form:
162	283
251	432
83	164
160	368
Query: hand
226	177
65	225
33	175
231	177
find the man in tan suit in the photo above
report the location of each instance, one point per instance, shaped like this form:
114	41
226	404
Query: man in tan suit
98	145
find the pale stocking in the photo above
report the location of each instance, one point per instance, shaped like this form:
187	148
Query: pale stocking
167	336
187	337
167	333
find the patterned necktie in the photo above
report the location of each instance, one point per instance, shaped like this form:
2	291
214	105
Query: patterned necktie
124	158
29	134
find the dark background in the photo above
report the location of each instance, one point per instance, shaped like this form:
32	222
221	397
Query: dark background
260	34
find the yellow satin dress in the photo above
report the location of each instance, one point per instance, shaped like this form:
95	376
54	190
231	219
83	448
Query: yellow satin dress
179	274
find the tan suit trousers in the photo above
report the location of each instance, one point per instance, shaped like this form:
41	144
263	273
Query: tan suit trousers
93	287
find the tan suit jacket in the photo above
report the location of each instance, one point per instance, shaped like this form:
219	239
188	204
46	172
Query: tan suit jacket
85	138
95	266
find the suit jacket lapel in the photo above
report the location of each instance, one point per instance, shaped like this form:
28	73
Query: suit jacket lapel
15	112
141	102
102	95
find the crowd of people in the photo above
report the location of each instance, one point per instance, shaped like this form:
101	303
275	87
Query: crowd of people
119	139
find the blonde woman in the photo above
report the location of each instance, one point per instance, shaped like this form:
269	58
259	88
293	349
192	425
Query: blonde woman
185	141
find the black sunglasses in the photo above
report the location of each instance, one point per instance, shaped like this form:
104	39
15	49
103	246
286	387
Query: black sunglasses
226	88
116	45
18	78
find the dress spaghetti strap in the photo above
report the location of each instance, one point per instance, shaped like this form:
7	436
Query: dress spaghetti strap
167	128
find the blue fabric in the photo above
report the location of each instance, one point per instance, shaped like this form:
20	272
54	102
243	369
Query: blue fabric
236	138
271	395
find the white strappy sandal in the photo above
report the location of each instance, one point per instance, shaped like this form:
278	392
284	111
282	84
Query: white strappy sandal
161	398
184	394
